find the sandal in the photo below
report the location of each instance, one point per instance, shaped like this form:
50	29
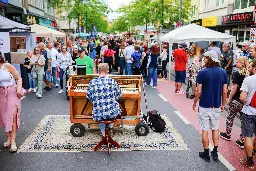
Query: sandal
7	144
14	148
247	164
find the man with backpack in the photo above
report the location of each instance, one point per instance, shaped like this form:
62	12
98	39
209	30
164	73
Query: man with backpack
248	97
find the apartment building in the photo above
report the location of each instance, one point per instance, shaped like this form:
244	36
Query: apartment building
234	17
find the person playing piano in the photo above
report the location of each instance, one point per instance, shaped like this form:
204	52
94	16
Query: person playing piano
104	94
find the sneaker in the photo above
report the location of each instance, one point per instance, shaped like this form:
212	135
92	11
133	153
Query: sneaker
180	92
204	156
247	163
154	87
56	85
214	155
29	90
225	136
39	95
146	84
240	143
34	90
61	91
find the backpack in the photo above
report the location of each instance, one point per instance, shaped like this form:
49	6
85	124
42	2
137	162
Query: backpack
155	121
253	101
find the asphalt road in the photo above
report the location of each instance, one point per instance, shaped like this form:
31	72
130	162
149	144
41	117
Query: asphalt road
34	110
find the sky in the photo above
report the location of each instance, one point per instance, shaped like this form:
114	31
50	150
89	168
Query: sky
114	5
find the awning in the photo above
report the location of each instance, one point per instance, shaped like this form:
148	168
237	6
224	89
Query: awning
7	24
42	31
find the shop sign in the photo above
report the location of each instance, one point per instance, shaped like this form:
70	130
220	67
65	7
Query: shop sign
4	1
209	22
198	22
237	18
47	23
31	19
17	17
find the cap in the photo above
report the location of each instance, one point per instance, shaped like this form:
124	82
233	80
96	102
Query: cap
183	45
245	43
80	50
213	55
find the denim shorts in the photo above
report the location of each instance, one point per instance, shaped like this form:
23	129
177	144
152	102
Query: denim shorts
180	76
248	125
209	118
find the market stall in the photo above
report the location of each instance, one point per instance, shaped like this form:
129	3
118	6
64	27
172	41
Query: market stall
46	33
195	33
17	35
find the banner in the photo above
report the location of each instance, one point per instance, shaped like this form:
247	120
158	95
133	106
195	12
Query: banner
94	31
252	35
5	42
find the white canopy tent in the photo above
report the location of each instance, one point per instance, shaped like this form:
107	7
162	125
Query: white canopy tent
6	23
195	33
42	31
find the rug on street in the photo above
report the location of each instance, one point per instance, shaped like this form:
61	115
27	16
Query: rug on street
53	135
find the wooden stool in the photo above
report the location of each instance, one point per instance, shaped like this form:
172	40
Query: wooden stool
107	140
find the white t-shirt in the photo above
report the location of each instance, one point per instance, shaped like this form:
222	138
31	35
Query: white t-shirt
54	56
249	86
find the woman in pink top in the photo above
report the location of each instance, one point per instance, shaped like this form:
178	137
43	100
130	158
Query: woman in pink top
10	102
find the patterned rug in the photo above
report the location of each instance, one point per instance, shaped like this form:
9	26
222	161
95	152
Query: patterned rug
53	135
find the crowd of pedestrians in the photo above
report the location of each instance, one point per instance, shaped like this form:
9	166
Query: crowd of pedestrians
217	79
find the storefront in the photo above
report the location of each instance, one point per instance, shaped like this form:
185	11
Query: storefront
198	22
239	25
34	19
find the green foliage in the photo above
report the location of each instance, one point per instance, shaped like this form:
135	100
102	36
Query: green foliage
92	12
156	12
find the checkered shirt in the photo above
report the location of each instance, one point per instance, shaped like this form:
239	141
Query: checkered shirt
104	92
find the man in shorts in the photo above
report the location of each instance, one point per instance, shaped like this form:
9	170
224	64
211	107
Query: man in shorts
212	91
248	97
181	59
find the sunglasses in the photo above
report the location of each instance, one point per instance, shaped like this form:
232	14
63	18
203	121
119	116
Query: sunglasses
243	46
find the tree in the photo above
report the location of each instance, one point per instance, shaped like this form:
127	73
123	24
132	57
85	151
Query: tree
155	12
91	12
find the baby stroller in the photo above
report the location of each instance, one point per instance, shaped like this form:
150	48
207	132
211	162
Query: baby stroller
71	70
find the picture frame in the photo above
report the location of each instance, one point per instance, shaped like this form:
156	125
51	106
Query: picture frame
17	40
23	40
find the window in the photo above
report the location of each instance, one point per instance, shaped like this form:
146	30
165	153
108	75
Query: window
241	4
193	10
217	2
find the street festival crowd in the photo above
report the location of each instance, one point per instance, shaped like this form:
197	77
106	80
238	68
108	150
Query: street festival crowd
216	80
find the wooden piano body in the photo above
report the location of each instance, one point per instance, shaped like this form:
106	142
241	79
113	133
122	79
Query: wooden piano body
129	101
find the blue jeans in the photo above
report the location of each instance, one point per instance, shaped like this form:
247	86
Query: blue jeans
31	81
152	74
48	75
102	127
121	65
61	78
128	68
54	75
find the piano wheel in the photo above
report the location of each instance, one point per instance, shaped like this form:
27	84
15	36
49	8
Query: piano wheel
142	129
77	130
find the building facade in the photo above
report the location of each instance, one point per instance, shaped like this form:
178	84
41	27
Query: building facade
234	17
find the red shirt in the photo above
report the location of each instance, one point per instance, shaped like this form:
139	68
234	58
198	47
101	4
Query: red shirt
108	53
181	58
